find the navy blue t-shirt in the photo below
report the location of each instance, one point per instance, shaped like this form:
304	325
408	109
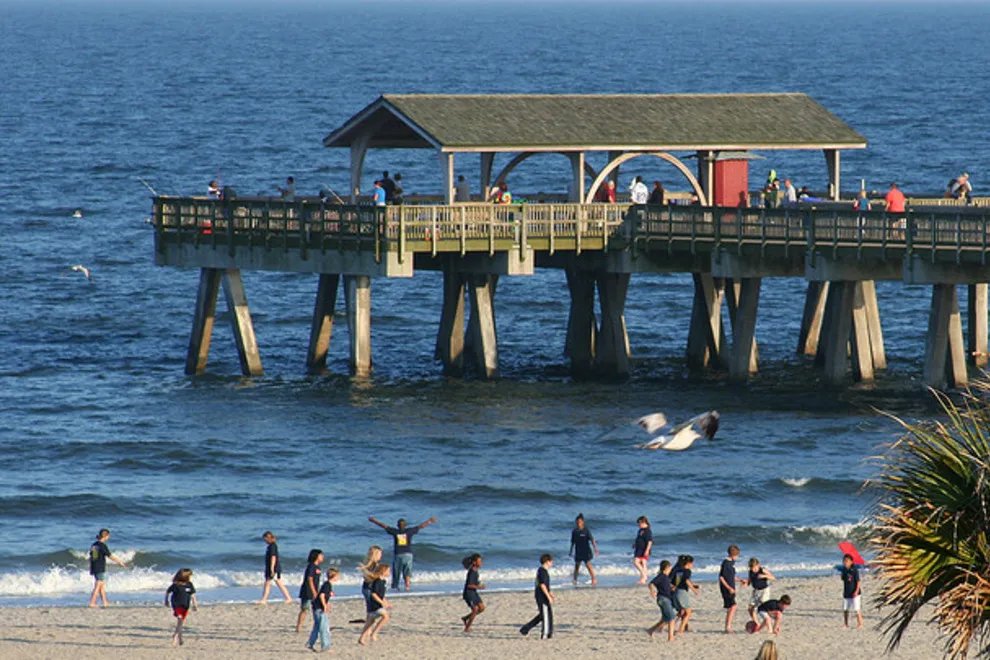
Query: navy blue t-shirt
542	577
681	578
312	571
850	581
663	586
327	590
643	537
98	553
272	551
771	605
472	578
180	594
758	580
727	573
581	539
402	539
377	587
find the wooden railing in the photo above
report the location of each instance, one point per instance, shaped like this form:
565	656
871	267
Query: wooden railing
953	232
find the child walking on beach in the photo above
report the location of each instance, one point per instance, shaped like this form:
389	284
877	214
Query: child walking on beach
368	568
310	586
321	613
760	578
727	585
683	588
181	596
377	607
273	570
642	547
98	555
472	584
772	614
851	591
662	589
583	548
544	601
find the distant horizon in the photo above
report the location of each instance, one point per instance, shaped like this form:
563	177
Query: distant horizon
503	3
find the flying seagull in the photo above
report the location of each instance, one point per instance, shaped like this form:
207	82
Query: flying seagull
681	436
77	213
79	268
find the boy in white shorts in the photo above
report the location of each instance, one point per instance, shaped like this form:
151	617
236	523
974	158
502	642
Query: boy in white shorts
851	591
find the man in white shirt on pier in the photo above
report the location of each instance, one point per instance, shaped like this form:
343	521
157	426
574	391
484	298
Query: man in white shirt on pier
638	191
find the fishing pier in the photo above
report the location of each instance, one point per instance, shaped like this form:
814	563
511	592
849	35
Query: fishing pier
728	246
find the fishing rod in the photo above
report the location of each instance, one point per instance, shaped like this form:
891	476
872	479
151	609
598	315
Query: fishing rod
148	186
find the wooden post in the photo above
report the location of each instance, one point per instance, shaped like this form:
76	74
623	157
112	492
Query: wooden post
447	168
841	299
322	327
581	324
240	323
485	340
746	293
203	318
944	353
868	289
833	161
487	160
450	338
811	320
706	331
611	354
862	353
357	294
576	193
732	294
976	303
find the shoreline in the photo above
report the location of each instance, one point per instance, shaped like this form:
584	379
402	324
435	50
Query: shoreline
589	621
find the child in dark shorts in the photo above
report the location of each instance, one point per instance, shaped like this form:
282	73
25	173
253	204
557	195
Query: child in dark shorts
181	597
727	585
472	584
377	606
583	548
662	589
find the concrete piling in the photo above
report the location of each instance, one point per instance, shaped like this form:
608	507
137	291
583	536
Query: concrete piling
321	328
357	294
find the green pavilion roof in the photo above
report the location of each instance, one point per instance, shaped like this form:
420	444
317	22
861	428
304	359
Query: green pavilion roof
590	122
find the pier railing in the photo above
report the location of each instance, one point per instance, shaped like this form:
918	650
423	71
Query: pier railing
952	233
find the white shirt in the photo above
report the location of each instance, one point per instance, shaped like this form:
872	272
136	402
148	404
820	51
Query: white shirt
790	194
639	192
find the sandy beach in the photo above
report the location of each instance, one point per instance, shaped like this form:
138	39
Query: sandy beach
590	622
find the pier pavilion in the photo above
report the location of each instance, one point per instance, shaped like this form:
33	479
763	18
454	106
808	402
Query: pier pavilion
728	247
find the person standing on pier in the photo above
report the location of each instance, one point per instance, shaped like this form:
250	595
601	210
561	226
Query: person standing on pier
98	555
389	186
639	194
790	193
960	188
402	551
378	195
657	195
896	205
462	191
214	191
397	192
288	192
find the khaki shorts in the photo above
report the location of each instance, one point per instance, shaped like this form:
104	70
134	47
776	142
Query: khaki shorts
759	597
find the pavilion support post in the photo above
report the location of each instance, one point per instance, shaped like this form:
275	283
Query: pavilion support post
482	327
450	338
944	354
860	338
706	174
359	149
203	319
733	293
576	192
833	160
976	303
581	323
705	335
240	323
612	349
322	327
485	184
869	292
357	293
447	169
811	320
746	293
841	298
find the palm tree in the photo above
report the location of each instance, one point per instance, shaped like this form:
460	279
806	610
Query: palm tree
931	530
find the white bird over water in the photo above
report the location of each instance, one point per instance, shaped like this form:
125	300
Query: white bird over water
79	268
77	213
683	435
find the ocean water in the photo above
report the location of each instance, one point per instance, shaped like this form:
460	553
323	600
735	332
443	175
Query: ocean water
99	426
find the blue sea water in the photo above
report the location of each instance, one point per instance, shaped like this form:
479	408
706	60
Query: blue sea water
99	426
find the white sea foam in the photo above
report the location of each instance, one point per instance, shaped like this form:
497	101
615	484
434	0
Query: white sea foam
837	531
799	482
